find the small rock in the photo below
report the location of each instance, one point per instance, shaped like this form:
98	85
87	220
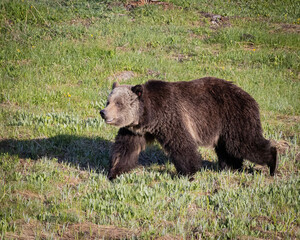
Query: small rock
216	18
122	76
153	73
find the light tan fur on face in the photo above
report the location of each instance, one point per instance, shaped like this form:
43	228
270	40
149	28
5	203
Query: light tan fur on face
112	110
123	106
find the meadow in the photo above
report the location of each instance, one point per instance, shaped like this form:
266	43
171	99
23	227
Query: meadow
58	60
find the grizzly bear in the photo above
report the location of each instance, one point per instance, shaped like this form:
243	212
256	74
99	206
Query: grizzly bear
182	116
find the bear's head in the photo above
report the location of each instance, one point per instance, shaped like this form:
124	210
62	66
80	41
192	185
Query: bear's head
123	105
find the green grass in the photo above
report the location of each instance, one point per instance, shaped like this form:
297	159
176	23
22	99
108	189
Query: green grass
58	60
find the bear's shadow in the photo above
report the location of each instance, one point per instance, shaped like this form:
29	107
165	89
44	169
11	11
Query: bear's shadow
85	152
155	155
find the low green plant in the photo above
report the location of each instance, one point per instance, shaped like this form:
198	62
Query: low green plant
58	62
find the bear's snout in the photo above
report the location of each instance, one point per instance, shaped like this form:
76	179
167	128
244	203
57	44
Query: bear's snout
106	116
103	114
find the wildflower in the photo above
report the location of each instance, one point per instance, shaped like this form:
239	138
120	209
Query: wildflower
31	7
18	50
254	49
68	95
33	46
91	35
223	67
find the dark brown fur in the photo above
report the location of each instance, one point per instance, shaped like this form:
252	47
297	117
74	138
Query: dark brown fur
184	115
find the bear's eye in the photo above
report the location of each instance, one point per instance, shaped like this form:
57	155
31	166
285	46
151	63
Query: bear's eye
107	103
119	104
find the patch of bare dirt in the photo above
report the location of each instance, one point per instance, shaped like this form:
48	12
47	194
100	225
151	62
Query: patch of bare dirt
94	231
124	48
10	105
154	73
281	146
248	238
27	231
35	230
133	4
249	46
273	235
82	21
289	119
169	237
25	163
200	37
69	181
290	122
21	62
286	28
216	21
29	195
182	57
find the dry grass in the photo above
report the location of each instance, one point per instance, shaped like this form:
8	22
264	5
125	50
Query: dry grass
34	230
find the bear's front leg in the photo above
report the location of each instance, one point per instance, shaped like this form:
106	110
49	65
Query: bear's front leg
125	152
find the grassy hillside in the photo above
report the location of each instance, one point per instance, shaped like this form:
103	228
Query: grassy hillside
58	60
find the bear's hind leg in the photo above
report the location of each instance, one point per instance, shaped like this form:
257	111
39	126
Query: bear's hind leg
227	160
273	162
264	154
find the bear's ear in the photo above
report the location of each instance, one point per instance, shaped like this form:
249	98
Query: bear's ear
138	90
115	84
